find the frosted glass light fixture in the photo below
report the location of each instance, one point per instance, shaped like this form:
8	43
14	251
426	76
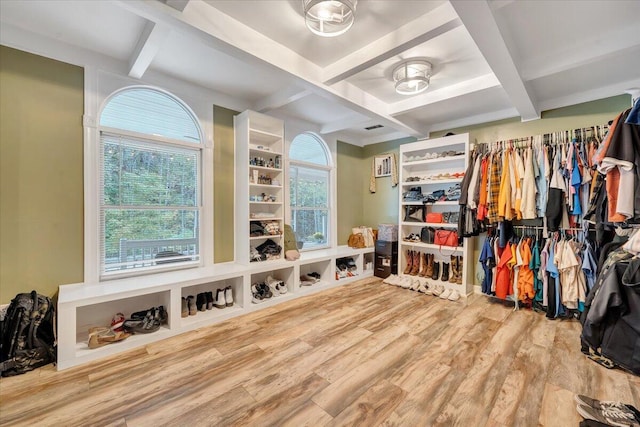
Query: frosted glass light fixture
329	18
412	77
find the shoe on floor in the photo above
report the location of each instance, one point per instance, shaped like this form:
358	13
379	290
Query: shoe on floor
437	290
387	280
220	301
422	288
611	416
405	282
453	296
445	294
601	404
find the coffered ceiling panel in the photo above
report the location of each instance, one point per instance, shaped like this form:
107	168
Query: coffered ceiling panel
492	59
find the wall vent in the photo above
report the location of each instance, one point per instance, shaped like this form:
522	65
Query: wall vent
373	127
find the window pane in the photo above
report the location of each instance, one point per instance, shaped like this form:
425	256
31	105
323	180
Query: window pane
306	147
152	112
310	227
308	187
139	174
134	237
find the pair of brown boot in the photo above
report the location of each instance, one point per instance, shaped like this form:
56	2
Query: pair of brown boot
422	264
456	270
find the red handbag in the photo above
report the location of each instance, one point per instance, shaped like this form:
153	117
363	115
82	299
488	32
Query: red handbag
434	217
446	238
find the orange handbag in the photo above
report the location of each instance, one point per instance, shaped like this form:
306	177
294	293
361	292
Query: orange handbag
434	217
446	238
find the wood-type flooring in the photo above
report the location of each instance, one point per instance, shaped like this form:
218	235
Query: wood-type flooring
364	354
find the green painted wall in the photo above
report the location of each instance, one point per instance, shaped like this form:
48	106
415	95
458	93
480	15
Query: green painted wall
223	183
41	177
349	189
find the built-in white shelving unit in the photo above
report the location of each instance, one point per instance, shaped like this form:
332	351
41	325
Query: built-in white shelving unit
419	167
259	195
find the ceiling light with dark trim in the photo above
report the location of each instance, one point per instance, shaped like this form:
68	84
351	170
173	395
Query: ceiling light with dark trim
329	18
412	77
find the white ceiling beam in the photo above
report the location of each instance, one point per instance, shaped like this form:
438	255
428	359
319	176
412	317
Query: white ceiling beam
177	4
589	51
280	98
225	34
430	97
428	26
151	40
474	120
482	26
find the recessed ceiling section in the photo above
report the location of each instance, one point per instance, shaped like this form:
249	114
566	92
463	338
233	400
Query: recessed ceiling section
96	26
216	70
317	109
468	106
283	22
453	55
598	76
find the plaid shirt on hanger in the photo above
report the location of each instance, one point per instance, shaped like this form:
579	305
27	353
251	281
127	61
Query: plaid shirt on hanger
495	176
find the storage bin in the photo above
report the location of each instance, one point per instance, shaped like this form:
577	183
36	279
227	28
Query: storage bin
388	232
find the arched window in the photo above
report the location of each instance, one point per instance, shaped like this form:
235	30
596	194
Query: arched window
309	190
150	182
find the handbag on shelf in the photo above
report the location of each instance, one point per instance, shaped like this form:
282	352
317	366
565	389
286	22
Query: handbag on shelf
450	217
427	235
367	234
414	213
446	238
356	240
434	217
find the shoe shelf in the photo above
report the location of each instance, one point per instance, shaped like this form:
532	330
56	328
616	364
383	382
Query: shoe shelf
437	160
206	316
445	203
85	305
446	249
418	160
435	225
432	182
259	161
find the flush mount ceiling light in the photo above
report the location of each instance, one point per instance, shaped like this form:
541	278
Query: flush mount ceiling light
412	76
329	18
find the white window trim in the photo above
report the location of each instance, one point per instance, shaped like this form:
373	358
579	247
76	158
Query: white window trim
330	167
93	106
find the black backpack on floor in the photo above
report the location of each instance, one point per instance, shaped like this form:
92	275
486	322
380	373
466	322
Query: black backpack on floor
27	334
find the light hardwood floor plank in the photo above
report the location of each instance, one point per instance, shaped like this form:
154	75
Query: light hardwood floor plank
362	354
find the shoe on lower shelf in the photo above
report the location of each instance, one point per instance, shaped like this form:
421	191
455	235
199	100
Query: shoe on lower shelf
100	336
220	300
117	322
228	296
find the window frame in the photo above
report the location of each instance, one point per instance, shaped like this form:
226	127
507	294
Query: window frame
96	264
329	169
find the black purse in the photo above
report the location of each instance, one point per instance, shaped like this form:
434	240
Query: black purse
414	213
450	217
427	235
